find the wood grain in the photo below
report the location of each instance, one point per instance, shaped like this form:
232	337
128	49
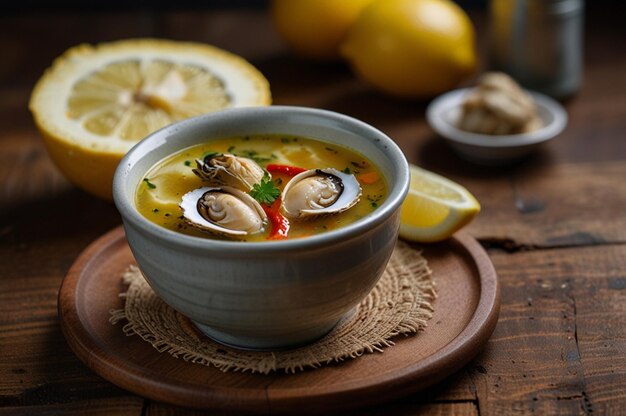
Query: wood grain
465	313
552	206
122	406
560	342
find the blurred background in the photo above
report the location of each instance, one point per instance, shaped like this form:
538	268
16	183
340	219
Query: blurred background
40	5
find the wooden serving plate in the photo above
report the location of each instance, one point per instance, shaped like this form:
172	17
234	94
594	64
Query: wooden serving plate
466	312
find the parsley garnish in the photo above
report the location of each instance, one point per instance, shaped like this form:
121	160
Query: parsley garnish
187	162
265	192
150	184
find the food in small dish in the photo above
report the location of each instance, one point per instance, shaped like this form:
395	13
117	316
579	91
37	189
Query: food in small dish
260	188
271	294
498	106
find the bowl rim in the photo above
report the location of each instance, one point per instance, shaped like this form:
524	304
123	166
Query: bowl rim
453	99
397	190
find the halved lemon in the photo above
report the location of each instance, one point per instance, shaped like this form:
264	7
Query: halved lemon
95	102
435	207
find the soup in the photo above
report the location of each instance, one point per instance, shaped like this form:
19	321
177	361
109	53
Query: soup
261	187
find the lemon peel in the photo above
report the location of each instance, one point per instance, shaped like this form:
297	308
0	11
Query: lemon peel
435	207
411	48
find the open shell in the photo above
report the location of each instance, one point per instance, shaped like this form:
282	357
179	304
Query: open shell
319	192
224	169
223	210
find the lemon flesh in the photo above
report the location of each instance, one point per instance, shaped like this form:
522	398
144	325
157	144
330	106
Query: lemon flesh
435	207
96	102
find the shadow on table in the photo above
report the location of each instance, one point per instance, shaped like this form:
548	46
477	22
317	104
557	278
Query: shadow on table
68	214
436	155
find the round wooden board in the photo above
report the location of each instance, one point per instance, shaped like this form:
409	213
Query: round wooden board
466	312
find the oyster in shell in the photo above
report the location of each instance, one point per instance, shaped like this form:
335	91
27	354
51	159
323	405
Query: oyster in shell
224	210
320	192
224	169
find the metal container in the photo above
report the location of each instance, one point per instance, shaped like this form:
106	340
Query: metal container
539	43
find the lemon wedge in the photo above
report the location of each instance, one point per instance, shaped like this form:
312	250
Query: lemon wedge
435	207
95	102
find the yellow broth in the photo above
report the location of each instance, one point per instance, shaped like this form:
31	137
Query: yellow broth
161	190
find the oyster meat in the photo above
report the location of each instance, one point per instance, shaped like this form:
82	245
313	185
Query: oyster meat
224	169
319	192
223	210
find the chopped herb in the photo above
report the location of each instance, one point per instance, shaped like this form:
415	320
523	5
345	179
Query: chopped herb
362	165
374	200
279	181
247	138
187	162
330	149
155	210
150	184
265	192
254	155
167	214
230	149
285	139
347	170
209	155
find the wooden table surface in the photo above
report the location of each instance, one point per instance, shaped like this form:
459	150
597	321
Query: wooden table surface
554	226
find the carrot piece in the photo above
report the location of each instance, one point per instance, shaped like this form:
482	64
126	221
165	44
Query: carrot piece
368	178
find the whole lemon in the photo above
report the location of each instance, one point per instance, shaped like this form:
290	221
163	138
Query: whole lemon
315	28
411	48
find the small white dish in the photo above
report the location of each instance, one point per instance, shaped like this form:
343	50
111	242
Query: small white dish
443	114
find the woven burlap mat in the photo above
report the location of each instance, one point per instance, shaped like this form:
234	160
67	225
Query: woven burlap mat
399	304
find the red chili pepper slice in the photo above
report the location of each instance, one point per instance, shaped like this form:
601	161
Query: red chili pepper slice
280	224
284	169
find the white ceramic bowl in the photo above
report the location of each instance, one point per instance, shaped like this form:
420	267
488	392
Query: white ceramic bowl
443	114
273	294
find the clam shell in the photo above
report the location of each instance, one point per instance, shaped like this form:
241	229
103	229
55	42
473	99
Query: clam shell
225	169
310	203
253	218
